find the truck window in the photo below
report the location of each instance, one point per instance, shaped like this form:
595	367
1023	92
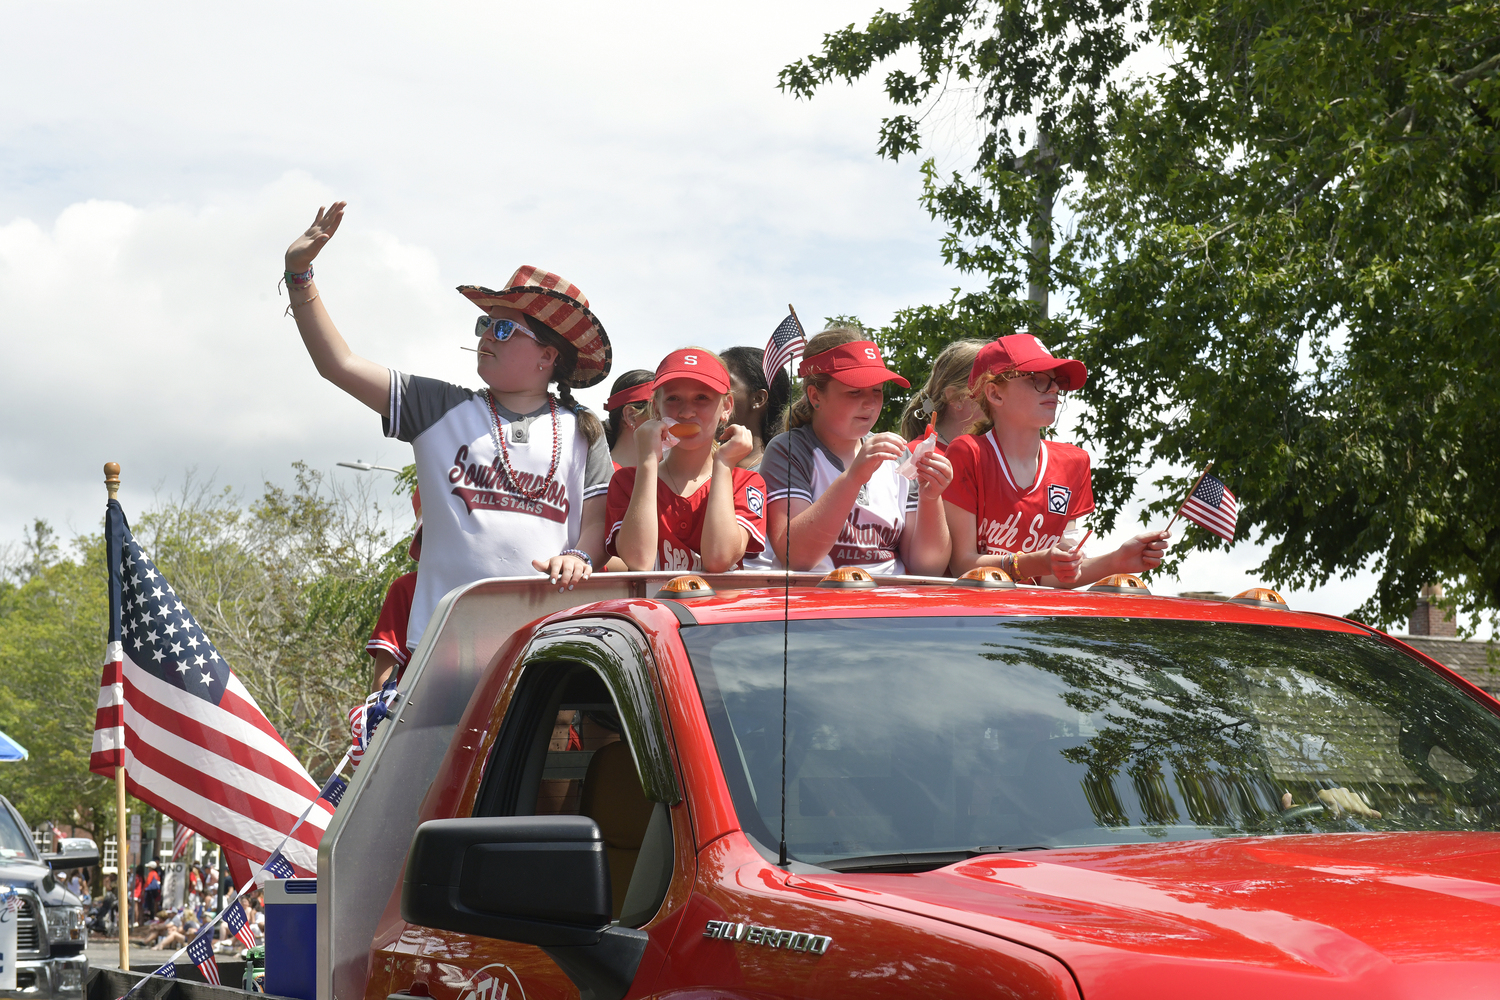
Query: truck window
946	737
14	841
566	756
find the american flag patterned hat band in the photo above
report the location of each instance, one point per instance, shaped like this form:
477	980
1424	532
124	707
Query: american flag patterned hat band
563	308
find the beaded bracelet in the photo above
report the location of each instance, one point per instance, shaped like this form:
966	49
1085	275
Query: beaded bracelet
580	554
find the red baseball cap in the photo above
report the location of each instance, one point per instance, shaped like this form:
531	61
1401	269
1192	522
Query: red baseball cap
694	363
634	394
1021	352
856	364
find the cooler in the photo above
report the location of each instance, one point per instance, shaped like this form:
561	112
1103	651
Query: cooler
292	937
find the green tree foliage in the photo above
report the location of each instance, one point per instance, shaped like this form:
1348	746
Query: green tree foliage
287	586
1279	252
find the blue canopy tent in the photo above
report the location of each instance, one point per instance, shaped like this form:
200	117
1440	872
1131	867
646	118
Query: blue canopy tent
11	750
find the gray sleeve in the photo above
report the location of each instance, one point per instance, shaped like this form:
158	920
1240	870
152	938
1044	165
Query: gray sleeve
913	494
598	470
416	403
787	467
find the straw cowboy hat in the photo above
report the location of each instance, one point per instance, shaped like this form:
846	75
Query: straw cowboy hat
562	307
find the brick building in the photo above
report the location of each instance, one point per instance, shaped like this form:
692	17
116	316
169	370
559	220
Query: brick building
1432	631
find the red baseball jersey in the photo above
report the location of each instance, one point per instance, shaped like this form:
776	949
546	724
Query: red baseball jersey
679	520
390	628
1012	519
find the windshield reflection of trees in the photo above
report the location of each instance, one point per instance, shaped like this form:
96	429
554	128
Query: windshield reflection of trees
1223	722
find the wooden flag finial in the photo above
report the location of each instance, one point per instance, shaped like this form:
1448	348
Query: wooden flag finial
112	479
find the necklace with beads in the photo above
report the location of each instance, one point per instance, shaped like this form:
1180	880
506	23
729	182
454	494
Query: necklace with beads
503	453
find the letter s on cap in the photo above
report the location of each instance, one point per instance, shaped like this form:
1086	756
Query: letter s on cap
690	359
871	354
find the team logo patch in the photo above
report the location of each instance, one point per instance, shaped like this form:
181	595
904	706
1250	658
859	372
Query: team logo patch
755	500
1057	498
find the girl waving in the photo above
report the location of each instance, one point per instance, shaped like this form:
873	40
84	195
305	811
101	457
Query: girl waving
686	504
836	484
1017	501
513	475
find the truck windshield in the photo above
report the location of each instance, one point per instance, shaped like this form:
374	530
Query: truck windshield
14	841
912	743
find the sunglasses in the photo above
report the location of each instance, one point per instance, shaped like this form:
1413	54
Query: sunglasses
501	329
1041	381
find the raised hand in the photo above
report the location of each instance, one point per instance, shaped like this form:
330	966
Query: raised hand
299	256
873	450
735	443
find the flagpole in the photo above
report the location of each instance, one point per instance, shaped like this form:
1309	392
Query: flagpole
122	851
798	319
1185	499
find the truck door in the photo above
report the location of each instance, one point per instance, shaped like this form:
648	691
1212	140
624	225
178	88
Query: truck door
581	734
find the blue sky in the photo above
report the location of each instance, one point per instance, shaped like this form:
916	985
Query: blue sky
155	160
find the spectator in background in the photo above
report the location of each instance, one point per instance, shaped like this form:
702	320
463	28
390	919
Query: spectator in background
628	406
944	405
757	405
151	892
137	879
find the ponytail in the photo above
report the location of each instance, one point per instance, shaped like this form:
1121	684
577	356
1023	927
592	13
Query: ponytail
562	374
950	370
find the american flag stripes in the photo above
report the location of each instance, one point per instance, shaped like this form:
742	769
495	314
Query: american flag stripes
785	345
1212	506
238	924
193	742
180	845
200	951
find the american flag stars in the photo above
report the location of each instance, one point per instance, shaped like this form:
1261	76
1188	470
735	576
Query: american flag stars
162	636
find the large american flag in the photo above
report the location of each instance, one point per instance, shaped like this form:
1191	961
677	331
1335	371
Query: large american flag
193	742
785	345
1213	506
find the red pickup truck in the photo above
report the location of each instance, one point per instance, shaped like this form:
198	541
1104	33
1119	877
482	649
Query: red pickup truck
919	788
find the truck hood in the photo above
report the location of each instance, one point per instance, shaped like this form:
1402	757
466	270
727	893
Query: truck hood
1373	915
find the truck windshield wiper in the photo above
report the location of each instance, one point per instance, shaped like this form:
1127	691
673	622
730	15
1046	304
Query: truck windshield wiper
917	862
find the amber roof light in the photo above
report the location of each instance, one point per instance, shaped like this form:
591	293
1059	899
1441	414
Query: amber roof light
1261	596
848	578
1121	583
685	588
988	577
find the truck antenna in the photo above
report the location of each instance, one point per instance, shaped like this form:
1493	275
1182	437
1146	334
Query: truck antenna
786	618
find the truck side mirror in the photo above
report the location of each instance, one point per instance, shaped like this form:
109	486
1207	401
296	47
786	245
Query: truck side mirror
77	852
541	880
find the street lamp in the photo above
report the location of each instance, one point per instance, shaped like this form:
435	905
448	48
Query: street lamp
367	467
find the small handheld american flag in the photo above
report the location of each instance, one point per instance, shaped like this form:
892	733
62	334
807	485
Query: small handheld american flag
201	951
1212	506
785	345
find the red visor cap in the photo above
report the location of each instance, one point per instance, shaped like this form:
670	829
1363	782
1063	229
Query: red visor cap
857	364
1021	352
635	394
698	365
